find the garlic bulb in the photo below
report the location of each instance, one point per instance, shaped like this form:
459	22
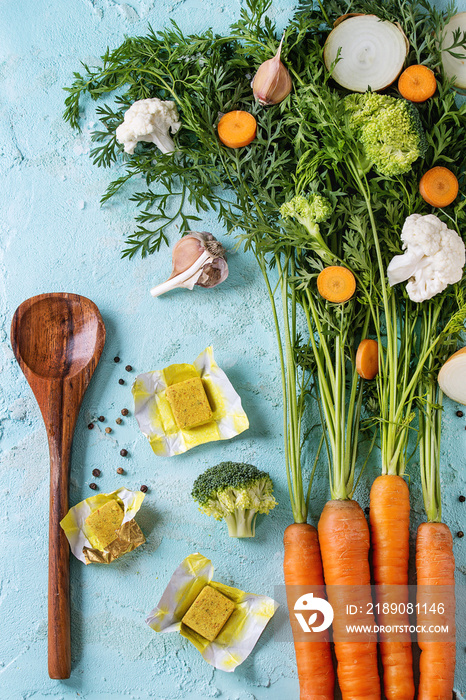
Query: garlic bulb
197	259
272	82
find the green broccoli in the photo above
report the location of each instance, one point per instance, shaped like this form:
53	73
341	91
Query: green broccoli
389	130
235	492
310	212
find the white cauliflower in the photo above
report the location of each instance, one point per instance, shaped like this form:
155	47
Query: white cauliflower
149	120
434	257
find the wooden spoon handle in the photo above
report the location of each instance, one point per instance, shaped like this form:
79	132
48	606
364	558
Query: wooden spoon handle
59	638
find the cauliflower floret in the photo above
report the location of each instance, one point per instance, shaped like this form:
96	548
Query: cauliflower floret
434	257
149	120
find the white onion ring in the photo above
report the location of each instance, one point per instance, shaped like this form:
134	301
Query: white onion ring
372	53
452	377
451	65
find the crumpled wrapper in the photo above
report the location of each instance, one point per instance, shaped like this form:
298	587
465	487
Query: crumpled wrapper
240	633
129	535
155	417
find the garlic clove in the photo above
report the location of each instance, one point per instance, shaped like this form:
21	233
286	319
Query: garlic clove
272	82
185	253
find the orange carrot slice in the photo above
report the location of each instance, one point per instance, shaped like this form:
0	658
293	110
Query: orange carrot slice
367	358
438	186
417	83
336	284
236	129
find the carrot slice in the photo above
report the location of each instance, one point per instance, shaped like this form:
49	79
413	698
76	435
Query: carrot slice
236	129
367	358
417	83
336	284
438	186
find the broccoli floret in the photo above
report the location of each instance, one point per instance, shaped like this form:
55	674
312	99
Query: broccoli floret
235	492
389	130
310	212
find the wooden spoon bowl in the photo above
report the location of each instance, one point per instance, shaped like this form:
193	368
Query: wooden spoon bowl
57	340
77	336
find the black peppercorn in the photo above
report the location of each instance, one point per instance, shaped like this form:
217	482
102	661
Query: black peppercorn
120	470
460	414
121	381
118	421
93	486
116	359
144	488
124	411
462	499
128	368
90	426
96	472
123	452
460	534
101	418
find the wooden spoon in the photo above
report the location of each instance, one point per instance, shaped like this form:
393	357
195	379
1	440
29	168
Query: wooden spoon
58	340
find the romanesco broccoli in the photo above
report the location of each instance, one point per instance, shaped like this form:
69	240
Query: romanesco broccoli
389	130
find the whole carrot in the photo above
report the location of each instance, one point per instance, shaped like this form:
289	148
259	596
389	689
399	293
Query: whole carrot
435	566
435	563
343	530
344	543
302	567
389	521
302	563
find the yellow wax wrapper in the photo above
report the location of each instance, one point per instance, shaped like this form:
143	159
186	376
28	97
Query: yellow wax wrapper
240	633
155	416
128	535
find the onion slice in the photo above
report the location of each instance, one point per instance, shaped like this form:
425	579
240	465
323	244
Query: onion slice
454	66
452	377
372	52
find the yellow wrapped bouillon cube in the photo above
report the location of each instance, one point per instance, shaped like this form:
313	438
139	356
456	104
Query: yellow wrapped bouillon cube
223	623
101	525
189	403
186	405
209	613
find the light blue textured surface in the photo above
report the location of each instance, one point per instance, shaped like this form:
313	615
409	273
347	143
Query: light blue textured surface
56	237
